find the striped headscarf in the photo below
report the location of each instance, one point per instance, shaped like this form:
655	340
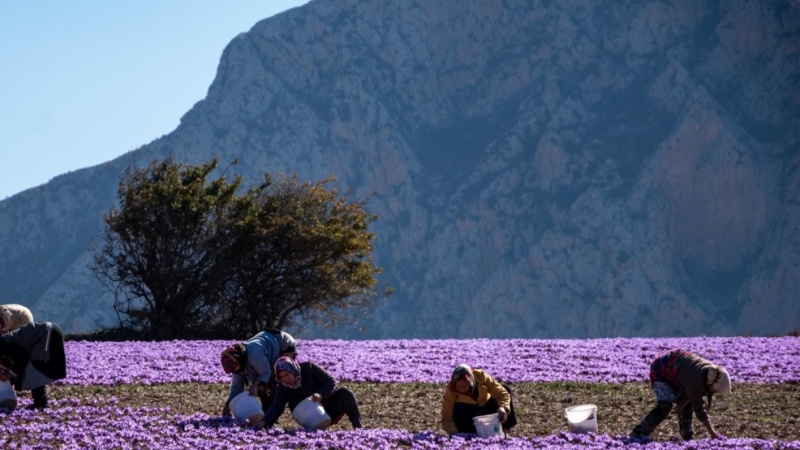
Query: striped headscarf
286	364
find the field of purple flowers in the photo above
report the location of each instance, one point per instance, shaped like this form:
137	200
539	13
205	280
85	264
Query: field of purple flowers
749	360
95	418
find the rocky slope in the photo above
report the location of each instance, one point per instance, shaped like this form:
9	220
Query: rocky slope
541	169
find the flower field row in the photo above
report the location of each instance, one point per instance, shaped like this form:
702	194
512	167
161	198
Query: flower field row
70	425
748	359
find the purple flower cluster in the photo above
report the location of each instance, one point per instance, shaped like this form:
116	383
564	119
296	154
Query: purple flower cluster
402	361
106	425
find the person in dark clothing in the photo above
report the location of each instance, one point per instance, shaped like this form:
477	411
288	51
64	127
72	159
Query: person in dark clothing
299	381
681	379
37	352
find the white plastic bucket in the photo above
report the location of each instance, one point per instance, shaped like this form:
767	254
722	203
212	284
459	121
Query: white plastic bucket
246	407
488	425
582	419
8	396
311	415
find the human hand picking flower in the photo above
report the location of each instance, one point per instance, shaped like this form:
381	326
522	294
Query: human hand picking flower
502	414
253	390
5	374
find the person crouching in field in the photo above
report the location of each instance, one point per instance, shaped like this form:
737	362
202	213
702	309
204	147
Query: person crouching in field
37	352
14	316
680	378
299	381
250	365
471	393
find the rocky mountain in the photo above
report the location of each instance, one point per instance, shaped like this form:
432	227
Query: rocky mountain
541	169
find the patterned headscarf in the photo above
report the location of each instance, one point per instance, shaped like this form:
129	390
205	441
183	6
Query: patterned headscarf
462	372
286	364
233	358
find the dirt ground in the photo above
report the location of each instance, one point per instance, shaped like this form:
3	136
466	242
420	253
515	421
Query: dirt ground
754	411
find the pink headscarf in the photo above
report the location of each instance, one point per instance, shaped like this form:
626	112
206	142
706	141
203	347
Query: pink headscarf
286	364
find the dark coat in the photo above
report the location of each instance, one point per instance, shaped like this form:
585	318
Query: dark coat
37	350
313	380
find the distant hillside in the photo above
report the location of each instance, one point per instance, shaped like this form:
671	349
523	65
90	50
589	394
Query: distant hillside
540	169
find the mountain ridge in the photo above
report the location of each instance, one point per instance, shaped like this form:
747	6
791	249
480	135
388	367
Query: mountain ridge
540	169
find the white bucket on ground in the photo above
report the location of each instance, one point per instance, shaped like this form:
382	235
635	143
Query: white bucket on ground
488	425
246	407
582	419
311	415
8	396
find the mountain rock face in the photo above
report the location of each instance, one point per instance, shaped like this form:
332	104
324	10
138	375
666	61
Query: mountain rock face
540	168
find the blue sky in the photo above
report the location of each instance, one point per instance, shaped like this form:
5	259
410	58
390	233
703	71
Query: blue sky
84	82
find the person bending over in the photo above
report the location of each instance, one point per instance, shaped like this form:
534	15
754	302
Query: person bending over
681	379
36	353
250	365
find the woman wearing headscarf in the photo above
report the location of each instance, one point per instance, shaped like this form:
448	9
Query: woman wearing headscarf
681	379
471	393
299	381
36	353
13	316
250	365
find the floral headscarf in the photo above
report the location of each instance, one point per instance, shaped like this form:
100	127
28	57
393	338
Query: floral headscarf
462	372
286	364
233	358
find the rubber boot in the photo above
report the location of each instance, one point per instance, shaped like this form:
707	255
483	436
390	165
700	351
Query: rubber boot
39	398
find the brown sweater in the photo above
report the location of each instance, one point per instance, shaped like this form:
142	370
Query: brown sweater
691	382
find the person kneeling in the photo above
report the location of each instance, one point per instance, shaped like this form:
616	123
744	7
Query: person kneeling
472	393
299	381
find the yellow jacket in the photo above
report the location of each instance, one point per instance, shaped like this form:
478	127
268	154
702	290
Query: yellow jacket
488	389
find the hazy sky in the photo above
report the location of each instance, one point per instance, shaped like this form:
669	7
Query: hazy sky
84	82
